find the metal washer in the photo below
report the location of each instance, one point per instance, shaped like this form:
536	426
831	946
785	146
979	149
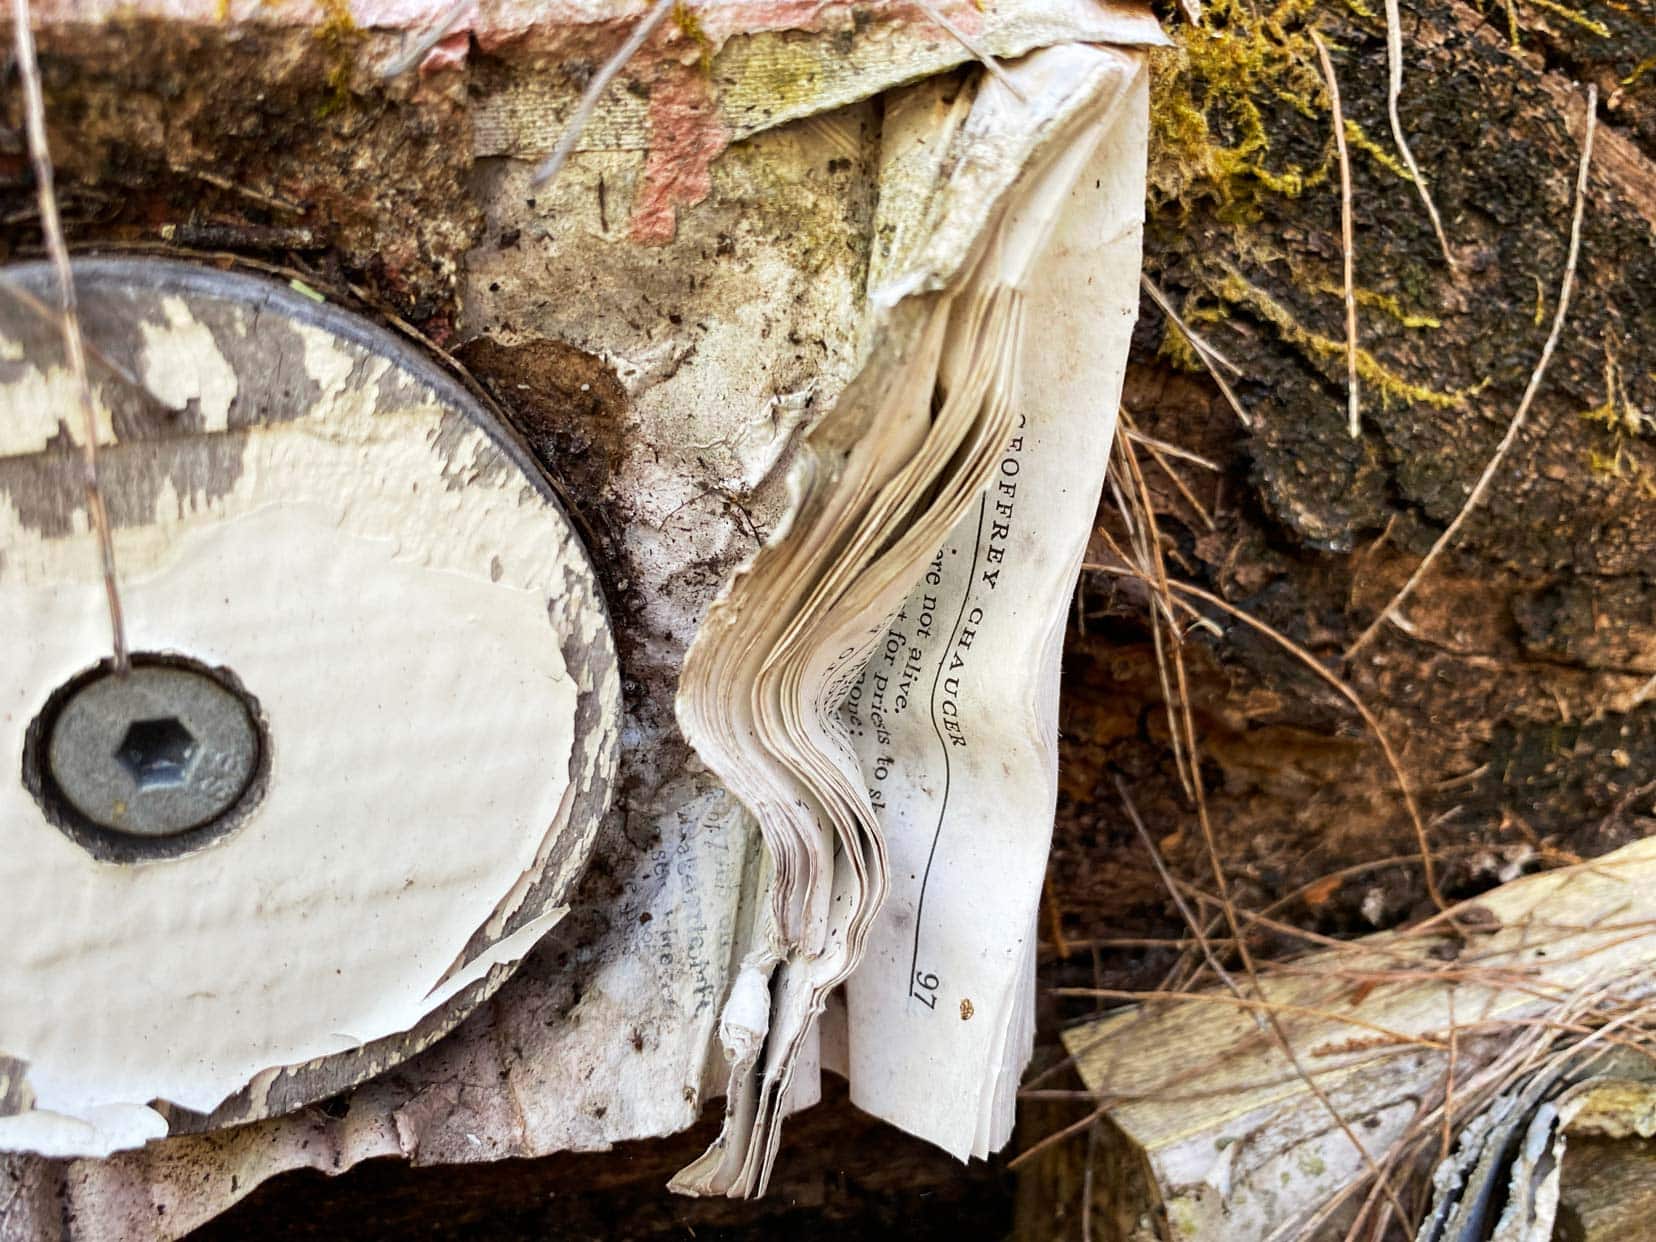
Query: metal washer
158	750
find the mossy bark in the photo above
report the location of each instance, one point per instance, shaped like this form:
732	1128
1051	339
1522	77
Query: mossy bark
1514	693
1520	695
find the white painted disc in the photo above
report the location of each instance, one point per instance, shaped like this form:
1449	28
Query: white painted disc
301	500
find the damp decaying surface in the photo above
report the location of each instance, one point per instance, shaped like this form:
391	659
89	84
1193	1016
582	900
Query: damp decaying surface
1519	699
1515	702
273	142
618	389
860	1179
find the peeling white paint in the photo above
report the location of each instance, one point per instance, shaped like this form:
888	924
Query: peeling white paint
181	363
42	404
104	1130
379	579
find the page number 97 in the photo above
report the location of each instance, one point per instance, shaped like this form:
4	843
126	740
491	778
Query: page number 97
924	988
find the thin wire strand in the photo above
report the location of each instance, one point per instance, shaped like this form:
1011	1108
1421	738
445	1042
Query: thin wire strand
418	49
595	91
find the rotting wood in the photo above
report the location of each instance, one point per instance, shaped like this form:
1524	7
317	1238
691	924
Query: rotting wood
1609	1189
1238	1144
1388	613
1518	690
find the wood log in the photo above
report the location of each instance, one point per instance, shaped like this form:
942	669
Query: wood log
1249	1104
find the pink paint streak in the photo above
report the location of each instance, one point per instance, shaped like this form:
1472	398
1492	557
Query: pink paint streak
686	136
506	20
449	53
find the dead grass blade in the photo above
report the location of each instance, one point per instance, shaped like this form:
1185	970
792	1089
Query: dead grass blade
978	53
1269	1021
74	349
1173	450
1197	342
1345	692
1258	1006
46	314
595	91
1347	243
1211	358
1144	539
1394	90
417	50
1191	921
1058	1136
1154	448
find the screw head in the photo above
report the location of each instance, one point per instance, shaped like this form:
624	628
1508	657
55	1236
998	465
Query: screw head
153	752
157	752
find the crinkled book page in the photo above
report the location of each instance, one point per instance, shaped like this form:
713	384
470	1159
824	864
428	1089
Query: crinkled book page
1006	240
955	719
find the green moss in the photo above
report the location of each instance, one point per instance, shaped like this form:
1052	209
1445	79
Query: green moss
690	26
1358	137
1573	15
1185	1216
1241	120
1208	132
1178	351
1616	412
1619	466
1622	423
340	36
1370	370
1175	346
1383	302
